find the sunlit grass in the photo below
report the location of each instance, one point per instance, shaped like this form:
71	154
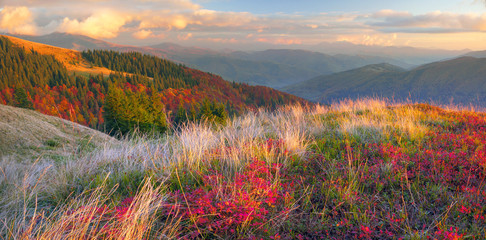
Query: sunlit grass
355	169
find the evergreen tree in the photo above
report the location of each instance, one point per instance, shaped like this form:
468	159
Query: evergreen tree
181	115
21	99
219	113
126	111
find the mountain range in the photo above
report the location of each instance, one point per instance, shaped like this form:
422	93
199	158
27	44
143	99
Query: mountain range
451	76
274	68
460	81
411	55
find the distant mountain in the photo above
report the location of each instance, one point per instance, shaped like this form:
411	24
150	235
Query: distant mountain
476	54
173	49
410	55
273	68
461	80
246	71
69	41
315	61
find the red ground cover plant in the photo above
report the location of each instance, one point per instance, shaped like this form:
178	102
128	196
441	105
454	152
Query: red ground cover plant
246	204
344	189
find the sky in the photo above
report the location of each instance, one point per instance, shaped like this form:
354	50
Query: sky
445	24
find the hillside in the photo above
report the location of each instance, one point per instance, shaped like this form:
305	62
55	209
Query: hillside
68	41
29	134
153	90
70	58
476	54
461	81
353	170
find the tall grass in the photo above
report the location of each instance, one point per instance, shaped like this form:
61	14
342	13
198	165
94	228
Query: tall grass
74	199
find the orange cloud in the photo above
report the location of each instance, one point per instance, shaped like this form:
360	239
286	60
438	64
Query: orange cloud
223	19
173	20
17	20
164	19
142	34
103	24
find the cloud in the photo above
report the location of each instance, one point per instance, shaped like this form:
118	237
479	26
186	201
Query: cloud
176	20
142	34
434	21
370	39
174	4
165	19
223	19
103	24
184	37
151	4
391	13
17	20
135	21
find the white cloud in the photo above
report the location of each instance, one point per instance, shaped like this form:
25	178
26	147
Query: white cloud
433	21
17	20
102	24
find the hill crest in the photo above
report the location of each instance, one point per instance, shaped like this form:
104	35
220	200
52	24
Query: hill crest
27	133
72	59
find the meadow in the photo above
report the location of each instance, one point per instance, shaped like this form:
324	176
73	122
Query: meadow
365	169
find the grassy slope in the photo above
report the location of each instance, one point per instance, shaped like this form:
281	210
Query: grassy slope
360	169
70	58
27	134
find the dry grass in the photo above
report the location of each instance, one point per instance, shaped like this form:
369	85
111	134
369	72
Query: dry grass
28	133
192	147
375	120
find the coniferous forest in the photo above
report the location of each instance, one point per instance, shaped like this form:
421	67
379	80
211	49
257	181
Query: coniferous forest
143	92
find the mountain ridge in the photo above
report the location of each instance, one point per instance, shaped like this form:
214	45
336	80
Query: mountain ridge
461	80
70	58
249	67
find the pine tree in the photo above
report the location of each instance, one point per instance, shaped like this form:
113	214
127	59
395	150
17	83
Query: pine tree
181	115
21	99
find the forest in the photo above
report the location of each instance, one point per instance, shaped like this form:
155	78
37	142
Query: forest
143	92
